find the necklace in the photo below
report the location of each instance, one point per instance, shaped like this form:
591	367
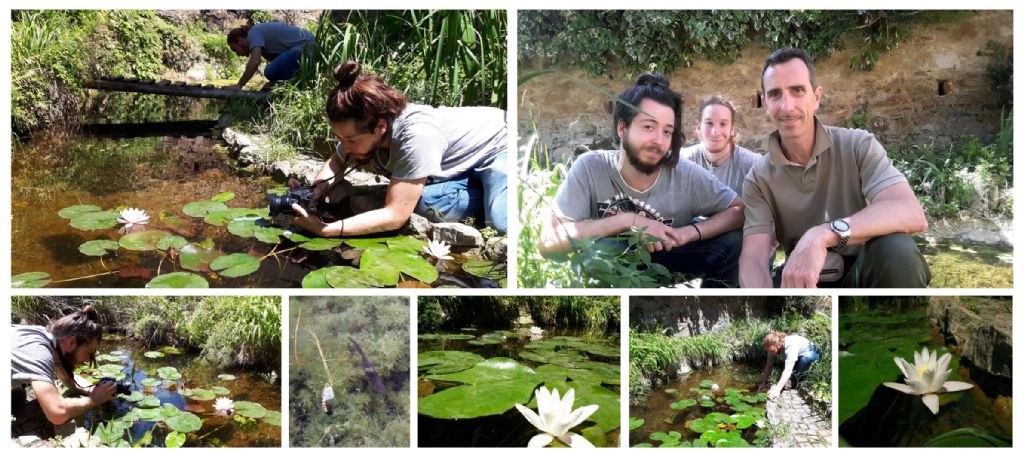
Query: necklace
719	162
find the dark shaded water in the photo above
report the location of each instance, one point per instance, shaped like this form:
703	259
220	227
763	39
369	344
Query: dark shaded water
509	429
262	388
659	416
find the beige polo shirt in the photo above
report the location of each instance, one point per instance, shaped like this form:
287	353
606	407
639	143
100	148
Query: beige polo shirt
848	167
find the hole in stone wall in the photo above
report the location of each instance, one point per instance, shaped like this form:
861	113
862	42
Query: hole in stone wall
755	101
945	87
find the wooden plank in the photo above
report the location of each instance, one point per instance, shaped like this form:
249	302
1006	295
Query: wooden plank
173	90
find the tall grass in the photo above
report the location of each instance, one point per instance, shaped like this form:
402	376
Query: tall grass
597	314
451	58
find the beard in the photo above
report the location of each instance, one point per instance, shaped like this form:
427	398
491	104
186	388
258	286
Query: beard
633	156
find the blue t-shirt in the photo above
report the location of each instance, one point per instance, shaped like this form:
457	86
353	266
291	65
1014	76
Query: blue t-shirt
276	38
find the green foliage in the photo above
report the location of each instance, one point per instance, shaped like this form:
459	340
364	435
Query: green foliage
600	41
999	73
594	313
963	176
451	58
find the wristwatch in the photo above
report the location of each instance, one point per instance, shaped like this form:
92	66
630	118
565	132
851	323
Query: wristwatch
841	228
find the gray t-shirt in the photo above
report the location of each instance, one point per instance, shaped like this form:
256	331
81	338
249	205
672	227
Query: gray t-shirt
595	189
31	355
276	38
793	346
442	143
732	172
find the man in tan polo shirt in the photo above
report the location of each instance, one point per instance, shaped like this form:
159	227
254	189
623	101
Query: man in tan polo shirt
837	205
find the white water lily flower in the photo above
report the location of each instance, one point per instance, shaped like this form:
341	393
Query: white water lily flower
224	406
438	250
555	418
131	217
927	378
714	387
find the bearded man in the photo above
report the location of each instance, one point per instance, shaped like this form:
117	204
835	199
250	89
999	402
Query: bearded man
644	184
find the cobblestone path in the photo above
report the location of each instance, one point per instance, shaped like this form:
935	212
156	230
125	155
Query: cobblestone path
807	428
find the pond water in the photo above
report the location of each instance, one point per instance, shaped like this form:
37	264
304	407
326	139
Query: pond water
723	401
167	389
956	265
470	381
871	414
166	176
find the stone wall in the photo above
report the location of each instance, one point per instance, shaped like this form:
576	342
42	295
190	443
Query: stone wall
981	330
691	315
901	93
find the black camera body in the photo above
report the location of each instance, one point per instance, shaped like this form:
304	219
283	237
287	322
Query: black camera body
282	204
123	387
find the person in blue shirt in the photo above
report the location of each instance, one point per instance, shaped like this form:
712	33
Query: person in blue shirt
282	45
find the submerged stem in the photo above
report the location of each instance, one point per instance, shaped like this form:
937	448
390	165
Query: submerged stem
322	357
298	319
85	277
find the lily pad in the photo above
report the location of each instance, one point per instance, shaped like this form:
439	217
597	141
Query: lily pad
184	422
243	227
635	423
33	279
195	257
149	402
151	414
486	269
220	390
490	370
317	278
142	241
447	361
202	208
349	277
226	377
250	409
273	418
171	242
153	354
320	244
97	248
94	220
473	401
235	265
406	243
223	217
135	396
150	382
168	373
169	350
682	404
75	210
269	235
223	197
175	440
386	264
203	394
178	280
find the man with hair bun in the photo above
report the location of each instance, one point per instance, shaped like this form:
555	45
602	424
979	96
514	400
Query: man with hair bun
444	163
644	184
42	356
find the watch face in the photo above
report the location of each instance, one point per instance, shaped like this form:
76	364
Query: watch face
840	225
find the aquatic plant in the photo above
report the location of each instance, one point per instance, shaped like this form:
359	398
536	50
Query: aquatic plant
224	407
555	418
438	250
927	378
132	217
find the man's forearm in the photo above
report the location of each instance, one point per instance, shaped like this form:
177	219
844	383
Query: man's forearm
559	233
754	272
724	221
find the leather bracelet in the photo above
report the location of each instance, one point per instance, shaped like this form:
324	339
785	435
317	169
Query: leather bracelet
699	236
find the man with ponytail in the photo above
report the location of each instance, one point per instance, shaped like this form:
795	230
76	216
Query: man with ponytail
445	163
282	45
645	185
43	356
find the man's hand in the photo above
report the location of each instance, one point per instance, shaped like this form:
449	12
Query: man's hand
309	222
773	393
103	392
803	267
667	236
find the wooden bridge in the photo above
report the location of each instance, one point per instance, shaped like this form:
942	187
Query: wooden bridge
169	88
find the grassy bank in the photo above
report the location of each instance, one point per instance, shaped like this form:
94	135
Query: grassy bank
239	331
594	313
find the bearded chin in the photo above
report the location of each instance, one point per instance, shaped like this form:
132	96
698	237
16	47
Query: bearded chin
634	160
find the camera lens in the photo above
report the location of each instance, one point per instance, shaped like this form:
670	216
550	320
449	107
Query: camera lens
279	204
